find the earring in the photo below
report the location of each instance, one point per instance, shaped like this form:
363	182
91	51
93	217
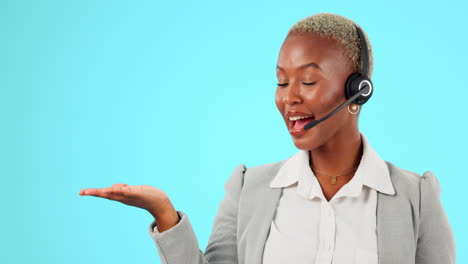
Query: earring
354	109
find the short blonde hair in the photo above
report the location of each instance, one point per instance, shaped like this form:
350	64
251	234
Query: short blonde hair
341	29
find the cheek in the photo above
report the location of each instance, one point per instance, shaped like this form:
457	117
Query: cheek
329	95
279	100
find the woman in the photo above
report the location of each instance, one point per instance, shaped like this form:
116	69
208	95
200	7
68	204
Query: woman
335	201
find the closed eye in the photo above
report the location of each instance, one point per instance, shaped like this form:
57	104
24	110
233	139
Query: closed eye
285	84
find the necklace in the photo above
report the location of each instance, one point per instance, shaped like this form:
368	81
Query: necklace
332	177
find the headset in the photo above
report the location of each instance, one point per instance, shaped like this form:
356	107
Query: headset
358	87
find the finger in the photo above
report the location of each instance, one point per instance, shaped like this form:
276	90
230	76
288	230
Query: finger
120	190
113	197
97	191
108	195
90	191
119	193
119	185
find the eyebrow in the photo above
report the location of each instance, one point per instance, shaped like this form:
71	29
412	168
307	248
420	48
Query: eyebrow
311	64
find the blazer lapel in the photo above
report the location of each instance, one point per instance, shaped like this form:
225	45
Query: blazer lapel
395	231
273	195
388	226
382	238
258	206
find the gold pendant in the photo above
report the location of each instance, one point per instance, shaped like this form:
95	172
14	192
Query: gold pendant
333	179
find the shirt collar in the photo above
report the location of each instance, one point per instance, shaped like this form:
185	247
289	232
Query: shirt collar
372	172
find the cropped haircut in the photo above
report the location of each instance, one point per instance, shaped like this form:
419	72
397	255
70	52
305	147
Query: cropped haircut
340	29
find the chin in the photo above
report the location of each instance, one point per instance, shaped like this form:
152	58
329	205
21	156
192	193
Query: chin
306	142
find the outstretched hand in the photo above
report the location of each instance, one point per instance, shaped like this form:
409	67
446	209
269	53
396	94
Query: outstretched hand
147	197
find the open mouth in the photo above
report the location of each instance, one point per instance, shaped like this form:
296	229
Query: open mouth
300	123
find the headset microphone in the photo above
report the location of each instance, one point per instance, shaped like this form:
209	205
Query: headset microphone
316	122
358	88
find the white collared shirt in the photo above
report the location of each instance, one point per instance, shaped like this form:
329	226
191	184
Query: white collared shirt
306	228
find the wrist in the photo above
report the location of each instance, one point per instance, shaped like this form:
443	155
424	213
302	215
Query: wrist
164	210
166	219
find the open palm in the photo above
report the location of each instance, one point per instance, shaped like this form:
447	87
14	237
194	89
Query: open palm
147	197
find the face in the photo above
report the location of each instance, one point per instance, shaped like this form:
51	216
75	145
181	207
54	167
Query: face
312	72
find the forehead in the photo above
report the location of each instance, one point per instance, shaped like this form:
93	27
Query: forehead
305	47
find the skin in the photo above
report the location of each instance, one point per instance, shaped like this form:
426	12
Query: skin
147	197
334	145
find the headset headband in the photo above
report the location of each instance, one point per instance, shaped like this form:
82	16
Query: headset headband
364	52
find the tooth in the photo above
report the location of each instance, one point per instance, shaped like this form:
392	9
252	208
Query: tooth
294	118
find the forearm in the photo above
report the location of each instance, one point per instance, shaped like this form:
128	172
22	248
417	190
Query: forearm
177	245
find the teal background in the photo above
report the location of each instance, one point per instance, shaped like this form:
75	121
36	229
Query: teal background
177	94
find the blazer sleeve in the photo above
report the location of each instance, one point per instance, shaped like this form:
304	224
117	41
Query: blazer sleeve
179	244
436	243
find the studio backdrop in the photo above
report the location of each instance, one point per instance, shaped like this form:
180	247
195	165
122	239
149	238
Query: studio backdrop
176	94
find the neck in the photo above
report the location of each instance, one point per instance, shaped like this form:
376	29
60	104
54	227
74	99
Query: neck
339	154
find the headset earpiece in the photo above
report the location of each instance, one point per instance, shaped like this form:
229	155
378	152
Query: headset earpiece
357	81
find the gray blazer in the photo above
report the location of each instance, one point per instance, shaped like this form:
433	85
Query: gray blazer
412	226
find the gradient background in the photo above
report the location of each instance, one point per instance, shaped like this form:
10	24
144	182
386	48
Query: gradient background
176	95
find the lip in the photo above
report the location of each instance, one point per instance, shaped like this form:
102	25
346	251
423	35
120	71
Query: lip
297	133
292	113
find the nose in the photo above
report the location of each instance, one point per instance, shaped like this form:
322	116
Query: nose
292	95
